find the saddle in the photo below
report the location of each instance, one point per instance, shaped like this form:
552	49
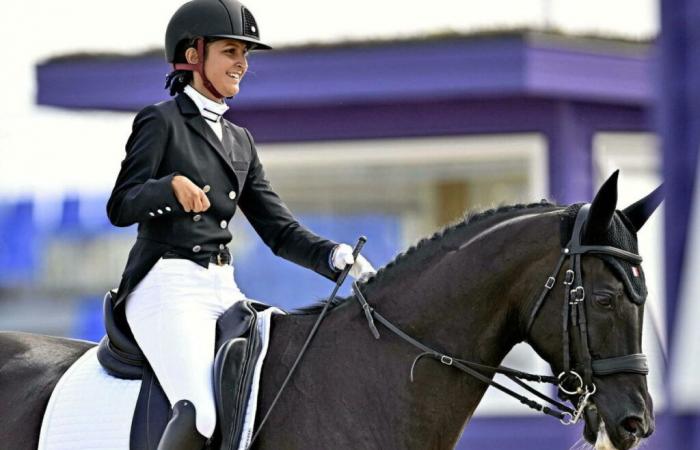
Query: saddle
237	349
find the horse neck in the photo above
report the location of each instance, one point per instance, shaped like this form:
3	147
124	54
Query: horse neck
482	284
468	303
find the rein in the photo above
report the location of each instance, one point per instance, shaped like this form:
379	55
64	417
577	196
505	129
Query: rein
339	282
575	334
471	367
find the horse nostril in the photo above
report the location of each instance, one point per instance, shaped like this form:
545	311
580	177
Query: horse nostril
634	425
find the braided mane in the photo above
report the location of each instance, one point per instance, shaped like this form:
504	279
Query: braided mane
428	247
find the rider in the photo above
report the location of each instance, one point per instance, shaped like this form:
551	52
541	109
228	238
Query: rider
186	170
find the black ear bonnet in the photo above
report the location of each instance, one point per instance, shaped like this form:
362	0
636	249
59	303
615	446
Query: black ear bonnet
620	234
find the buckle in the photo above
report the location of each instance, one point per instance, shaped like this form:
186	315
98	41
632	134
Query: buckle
569	277
550	283
578	294
218	259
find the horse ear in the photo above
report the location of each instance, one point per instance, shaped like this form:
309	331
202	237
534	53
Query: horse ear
639	211
602	208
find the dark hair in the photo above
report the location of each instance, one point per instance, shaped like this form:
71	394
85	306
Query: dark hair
177	80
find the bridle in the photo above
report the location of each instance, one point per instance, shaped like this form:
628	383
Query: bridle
576	379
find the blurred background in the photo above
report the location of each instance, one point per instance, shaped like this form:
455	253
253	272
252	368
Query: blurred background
382	118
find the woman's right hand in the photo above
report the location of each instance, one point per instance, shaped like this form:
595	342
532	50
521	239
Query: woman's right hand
190	196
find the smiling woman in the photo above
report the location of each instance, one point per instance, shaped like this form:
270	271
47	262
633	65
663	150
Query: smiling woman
186	171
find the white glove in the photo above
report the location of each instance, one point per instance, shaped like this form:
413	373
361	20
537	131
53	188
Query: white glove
342	256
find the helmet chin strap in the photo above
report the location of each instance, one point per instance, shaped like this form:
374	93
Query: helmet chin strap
199	68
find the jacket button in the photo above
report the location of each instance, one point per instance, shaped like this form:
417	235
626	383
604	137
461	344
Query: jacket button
196	248
222	246
232	195
151	213
223	224
168	208
197	217
160	211
206	188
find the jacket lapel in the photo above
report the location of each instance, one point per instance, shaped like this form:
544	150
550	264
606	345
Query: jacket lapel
195	121
231	138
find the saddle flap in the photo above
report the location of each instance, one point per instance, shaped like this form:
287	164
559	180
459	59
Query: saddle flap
234	371
237	321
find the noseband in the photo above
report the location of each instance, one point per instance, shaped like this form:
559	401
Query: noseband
575	380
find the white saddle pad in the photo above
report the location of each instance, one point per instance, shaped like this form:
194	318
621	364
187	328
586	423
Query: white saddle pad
91	410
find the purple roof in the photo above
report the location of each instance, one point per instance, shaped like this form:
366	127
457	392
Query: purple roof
466	67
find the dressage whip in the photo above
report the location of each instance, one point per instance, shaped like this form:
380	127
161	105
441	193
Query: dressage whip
355	252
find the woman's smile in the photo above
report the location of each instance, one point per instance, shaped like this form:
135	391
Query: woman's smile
235	75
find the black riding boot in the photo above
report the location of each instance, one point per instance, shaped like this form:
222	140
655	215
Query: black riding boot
181	431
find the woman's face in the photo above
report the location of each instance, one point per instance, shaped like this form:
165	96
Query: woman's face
225	66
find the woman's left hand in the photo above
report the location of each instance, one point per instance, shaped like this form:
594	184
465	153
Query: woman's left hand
342	256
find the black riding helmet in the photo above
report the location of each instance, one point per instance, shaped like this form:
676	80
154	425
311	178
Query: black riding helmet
199	19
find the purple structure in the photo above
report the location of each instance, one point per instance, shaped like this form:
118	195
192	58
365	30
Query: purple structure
679	126
568	89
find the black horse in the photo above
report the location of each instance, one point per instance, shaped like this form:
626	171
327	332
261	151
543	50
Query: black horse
468	291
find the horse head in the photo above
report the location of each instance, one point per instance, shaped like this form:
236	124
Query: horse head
596	344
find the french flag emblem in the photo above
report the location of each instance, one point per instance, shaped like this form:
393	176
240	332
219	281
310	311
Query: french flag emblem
635	271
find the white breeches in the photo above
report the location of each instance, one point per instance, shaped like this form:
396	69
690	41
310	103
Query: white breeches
172	313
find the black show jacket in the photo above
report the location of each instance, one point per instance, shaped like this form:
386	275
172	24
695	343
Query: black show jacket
171	138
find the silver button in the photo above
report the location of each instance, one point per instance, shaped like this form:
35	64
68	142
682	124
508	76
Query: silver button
151	213
197	217
222	246
160	211
223	224
232	195
168	208
196	248
206	188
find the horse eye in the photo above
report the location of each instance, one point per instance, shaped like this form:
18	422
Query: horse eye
604	299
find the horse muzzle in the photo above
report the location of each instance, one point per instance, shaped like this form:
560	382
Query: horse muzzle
623	434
